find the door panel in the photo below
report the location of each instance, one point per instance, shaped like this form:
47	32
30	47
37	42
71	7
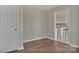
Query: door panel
11	28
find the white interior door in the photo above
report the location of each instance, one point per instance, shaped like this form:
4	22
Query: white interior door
11	28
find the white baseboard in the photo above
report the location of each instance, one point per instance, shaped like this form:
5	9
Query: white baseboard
20	48
73	45
34	39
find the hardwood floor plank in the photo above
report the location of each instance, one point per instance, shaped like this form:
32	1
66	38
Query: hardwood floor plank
46	45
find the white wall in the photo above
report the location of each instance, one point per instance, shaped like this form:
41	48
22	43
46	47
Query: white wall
32	23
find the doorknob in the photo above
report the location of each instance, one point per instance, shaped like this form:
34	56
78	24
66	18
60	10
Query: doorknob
15	29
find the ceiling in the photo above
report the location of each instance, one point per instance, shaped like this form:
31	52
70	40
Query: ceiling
42	7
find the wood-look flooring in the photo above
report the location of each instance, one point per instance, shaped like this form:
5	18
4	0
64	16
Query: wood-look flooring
46	45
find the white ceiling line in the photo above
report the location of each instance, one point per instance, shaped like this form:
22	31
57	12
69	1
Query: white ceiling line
42	7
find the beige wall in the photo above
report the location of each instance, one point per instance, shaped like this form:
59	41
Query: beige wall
74	25
32	23
44	22
49	24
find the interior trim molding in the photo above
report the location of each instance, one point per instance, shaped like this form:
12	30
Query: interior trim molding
73	45
20	48
34	39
